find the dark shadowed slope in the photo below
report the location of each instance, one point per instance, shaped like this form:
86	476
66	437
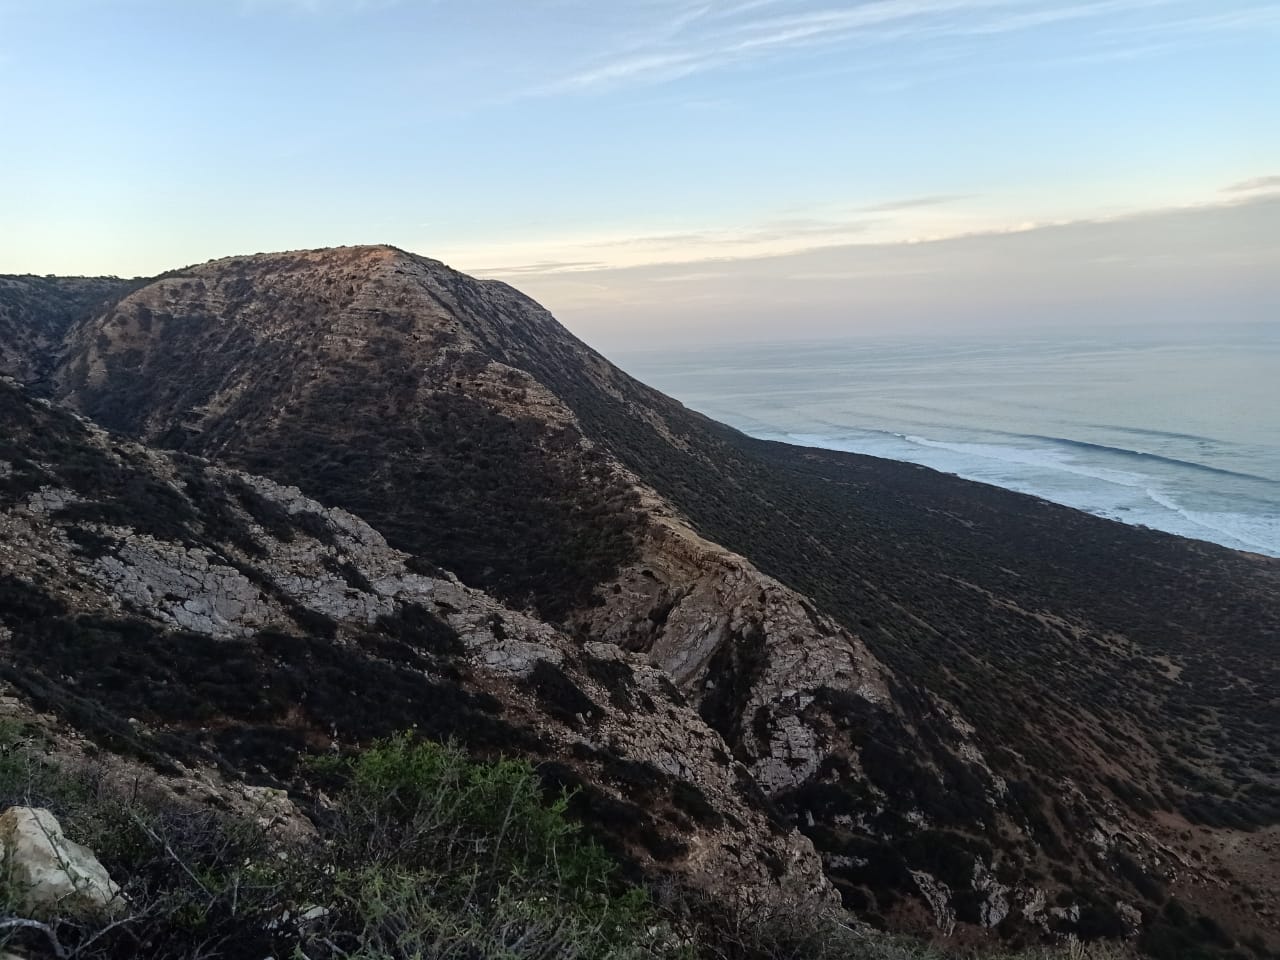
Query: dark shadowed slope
36	312
336	372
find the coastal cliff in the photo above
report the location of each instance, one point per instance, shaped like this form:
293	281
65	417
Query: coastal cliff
968	712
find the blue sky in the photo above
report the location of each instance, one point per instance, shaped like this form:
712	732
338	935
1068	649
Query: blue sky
599	154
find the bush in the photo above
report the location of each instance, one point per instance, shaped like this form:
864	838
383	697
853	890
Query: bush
408	802
424	853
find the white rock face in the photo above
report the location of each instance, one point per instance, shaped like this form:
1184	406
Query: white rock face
938	895
704	600
48	872
183	586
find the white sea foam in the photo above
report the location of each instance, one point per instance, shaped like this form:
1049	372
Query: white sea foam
1057	474
1244	531
1043	457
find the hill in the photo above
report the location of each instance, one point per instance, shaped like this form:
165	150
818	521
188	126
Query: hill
985	711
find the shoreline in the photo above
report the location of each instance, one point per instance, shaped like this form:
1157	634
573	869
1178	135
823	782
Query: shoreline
809	443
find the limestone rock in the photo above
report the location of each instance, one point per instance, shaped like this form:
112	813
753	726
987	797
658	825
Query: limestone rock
48	872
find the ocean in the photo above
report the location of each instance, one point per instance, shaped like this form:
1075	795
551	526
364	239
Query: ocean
1172	429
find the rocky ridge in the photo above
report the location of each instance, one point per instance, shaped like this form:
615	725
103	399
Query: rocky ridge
372	329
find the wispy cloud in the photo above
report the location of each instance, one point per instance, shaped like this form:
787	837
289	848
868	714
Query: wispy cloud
651	66
318	7
687	255
1060	14
915	203
1172	263
1250	18
542	267
767	231
1271	182
692	276
594	253
711	35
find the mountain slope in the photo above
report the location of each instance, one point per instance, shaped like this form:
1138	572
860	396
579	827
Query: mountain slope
982	708
193	616
36	312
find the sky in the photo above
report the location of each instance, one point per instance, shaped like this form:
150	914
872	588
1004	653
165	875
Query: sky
665	171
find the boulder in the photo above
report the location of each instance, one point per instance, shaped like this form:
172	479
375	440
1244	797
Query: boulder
47	873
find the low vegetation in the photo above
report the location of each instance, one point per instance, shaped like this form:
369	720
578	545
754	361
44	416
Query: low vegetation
421	852
1074	646
444	469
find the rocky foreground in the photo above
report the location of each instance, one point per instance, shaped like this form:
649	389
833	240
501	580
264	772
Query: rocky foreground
768	672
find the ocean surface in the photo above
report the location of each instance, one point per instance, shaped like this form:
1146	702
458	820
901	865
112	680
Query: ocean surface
1177	430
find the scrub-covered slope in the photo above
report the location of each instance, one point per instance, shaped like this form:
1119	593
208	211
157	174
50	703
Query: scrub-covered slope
193	616
36	312
984	709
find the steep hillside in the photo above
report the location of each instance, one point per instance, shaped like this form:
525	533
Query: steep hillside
985	710
345	372
36	312
199	618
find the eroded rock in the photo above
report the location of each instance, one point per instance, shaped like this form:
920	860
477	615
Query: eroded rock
48	873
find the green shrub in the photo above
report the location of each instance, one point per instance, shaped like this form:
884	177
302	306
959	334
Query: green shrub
432	798
423	853
429	832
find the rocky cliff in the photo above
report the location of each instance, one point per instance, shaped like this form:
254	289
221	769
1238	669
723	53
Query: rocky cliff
201	618
984	711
